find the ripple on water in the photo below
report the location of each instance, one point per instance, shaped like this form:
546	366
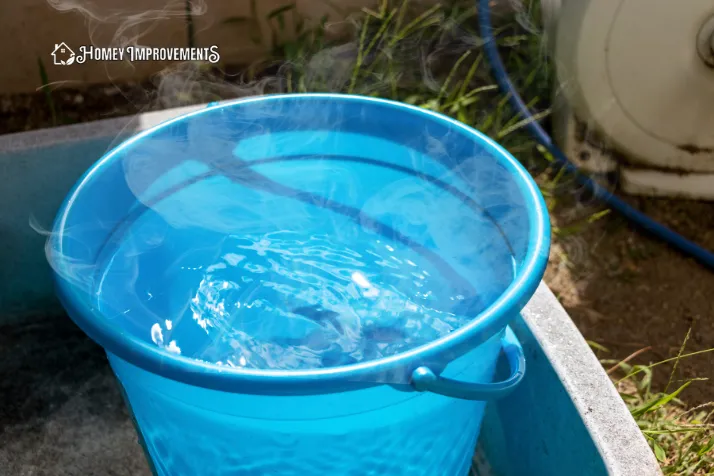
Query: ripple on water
288	301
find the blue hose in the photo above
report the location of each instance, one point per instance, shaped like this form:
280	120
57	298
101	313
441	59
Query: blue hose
638	218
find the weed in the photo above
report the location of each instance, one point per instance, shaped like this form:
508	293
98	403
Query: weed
190	34
292	40
49	100
682	439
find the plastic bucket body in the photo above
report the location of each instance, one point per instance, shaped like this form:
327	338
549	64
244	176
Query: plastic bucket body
328	165
380	430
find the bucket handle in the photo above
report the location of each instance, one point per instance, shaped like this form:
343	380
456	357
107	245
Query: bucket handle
424	380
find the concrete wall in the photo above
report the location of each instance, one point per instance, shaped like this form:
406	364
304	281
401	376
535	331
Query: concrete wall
29	30
38	169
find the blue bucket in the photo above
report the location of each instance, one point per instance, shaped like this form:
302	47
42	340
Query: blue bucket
135	237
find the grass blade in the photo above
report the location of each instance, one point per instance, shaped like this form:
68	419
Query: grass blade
520	124
679	356
642	369
382	28
658	402
190	35
400	16
597	346
49	100
597	216
659	452
237	20
419	22
360	57
470	74
706	448
280	10
451	75
629	357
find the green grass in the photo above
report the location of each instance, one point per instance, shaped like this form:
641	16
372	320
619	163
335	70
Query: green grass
291	40
681	438
45	82
190	31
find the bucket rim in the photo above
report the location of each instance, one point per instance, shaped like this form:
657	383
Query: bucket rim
204	374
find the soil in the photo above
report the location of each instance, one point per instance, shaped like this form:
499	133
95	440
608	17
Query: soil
181	86
24	112
627	291
623	289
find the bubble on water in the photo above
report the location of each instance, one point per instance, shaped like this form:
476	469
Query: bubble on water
172	347
157	335
169	324
197	316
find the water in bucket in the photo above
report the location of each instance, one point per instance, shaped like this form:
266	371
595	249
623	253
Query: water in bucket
244	268
304	284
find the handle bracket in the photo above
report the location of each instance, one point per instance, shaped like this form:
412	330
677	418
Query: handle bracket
425	380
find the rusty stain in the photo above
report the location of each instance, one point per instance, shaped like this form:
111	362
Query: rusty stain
695	149
636	165
663	170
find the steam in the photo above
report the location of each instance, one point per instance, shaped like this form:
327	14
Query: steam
213	184
130	26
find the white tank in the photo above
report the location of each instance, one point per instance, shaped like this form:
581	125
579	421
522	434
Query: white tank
635	91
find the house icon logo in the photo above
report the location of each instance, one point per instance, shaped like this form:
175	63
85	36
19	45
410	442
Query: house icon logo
62	55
